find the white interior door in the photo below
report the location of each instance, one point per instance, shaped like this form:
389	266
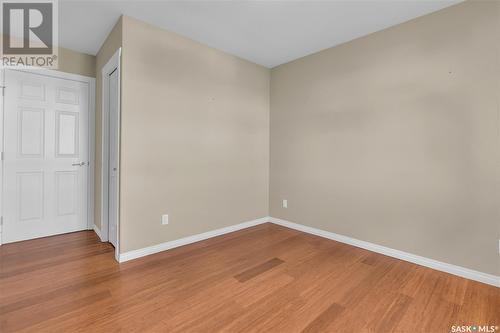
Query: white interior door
45	156
113	157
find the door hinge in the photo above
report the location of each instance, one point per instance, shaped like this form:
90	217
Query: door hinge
3	90
1	155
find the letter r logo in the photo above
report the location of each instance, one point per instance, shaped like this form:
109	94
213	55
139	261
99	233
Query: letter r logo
28	27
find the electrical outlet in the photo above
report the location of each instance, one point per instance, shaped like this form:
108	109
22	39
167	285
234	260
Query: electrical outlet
285	203
164	219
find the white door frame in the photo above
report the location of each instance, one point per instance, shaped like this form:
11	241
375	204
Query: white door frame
112	65
90	81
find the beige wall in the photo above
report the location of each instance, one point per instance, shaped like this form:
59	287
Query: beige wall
393	138
112	43
70	61
194	137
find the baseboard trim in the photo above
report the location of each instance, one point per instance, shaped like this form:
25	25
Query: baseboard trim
423	261
126	256
419	260
98	232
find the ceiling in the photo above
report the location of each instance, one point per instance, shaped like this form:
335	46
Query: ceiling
268	33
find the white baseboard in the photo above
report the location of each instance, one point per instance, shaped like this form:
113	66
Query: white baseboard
188	240
423	261
431	263
98	232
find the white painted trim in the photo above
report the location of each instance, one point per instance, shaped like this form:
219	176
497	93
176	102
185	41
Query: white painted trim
91	130
2	93
188	240
427	262
112	64
98	232
91	158
54	73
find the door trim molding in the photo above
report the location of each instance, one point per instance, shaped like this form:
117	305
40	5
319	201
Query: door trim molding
90	81
112	64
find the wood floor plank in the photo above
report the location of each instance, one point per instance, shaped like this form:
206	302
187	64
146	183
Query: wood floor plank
393	314
262	279
321	322
254	271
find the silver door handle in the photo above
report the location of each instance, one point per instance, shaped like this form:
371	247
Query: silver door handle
78	164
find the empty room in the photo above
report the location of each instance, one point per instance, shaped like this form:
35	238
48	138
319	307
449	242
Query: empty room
250	166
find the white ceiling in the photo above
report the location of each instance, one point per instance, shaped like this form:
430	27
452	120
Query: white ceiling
269	33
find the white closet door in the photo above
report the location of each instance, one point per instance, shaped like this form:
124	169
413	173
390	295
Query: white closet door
113	157
45	156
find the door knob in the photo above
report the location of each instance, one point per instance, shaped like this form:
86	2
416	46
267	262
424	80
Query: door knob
78	164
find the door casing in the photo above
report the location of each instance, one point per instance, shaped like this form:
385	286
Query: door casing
112	65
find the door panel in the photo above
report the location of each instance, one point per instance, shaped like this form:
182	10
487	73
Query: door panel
31	132
45	139
67	96
32	90
67	192
30	195
67	134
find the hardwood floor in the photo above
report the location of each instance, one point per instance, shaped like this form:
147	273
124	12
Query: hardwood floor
262	279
